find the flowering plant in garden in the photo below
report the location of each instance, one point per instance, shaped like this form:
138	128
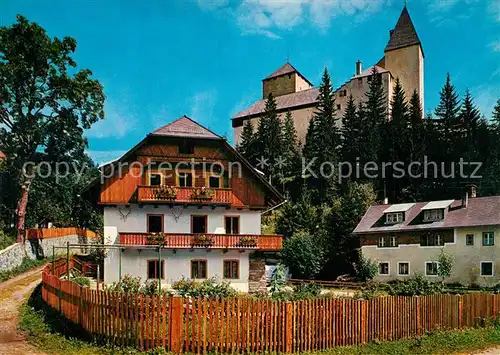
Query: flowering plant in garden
165	193
247	241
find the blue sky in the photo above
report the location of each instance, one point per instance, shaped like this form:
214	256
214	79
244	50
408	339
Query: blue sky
159	60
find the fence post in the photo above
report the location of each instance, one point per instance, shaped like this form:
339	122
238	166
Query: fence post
418	317
364	322
460	308
175	324
288	327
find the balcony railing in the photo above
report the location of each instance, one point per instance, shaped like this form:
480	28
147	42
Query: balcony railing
185	195
204	241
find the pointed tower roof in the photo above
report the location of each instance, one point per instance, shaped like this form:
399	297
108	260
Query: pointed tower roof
404	34
185	127
286	68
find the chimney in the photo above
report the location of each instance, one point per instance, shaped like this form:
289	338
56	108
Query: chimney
358	67
472	190
465	200
386	201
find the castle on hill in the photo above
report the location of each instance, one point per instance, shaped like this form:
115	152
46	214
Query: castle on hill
403	58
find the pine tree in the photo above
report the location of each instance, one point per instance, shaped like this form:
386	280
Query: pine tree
247	144
291	178
448	112
469	120
495	117
351	132
325	142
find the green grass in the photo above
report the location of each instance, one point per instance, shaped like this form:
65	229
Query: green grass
51	333
26	265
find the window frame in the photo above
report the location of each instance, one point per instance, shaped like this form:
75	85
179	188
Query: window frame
467	236
198	269
230	269
231	217
437	268
390	241
185	143
162	271
428	215
155	174
162	222
389	217
388	268
492	268
409	270
206	223
487	234
183	172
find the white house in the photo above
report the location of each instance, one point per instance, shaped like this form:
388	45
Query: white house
183	203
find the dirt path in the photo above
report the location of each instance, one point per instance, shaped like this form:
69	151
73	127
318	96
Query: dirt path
494	351
12	294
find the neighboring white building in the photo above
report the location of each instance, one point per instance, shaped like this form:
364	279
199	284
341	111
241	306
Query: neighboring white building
206	218
407	238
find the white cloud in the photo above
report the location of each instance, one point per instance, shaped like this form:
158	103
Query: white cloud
119	120
485	97
105	156
211	4
267	17
494	9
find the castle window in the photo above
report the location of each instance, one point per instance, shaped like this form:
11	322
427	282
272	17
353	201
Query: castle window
339	106
369	78
343	93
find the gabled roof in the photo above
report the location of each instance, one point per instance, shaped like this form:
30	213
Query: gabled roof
307	97
369	71
185	127
404	34
480	211
286	68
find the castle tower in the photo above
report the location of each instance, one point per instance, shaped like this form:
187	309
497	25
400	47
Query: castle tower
285	80
404	56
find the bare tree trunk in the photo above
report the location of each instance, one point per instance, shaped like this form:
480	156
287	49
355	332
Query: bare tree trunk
21	210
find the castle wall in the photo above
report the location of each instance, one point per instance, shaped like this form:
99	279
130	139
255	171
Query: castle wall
301	84
407	64
280	85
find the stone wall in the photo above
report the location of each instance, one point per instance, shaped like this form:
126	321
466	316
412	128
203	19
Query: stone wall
13	255
257	281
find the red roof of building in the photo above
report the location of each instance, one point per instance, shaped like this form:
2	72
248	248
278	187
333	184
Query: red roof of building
480	211
307	97
185	127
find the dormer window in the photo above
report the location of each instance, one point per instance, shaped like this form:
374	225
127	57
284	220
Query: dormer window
433	215
394	217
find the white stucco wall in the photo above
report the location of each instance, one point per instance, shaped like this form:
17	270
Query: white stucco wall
177	265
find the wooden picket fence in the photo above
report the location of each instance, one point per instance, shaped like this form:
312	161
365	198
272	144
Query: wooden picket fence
246	324
45	233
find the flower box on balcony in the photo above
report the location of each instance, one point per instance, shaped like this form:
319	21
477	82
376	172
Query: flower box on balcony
165	193
203	194
203	241
248	242
156	239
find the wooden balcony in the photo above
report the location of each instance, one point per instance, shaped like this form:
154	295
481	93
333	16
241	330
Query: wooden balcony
184	195
205	241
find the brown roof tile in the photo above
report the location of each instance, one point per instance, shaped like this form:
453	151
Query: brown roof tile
404	34
185	127
480	211
300	98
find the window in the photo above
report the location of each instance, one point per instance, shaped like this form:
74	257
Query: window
383	268
369	78
431	240
185	179
387	242
343	93
186	147
231	269
198	269
433	215
488	238
198	224
431	268
154	269
486	268
214	182
155	223
394	217
469	239
339	106
403	268
232	224
154	179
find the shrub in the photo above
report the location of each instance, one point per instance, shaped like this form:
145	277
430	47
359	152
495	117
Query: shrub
303	255
445	265
6	240
82	281
208	288
307	291
365	268
278	278
417	285
127	284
